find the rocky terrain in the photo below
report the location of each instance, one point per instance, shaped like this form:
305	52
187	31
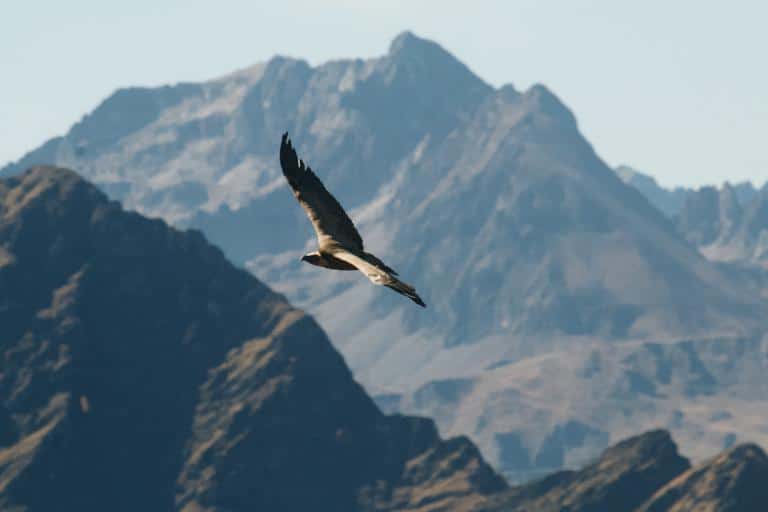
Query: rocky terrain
142	371
647	474
566	311
710	393
725	228
622	479
733	481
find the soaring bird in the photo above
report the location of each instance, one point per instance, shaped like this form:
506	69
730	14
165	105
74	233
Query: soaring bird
339	245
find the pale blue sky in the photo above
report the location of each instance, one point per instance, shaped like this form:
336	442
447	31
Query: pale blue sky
678	89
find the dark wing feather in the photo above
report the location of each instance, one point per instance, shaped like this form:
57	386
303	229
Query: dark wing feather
376	261
328	217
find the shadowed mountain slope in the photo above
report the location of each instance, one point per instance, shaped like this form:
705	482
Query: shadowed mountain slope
624	477
733	481
646	474
142	371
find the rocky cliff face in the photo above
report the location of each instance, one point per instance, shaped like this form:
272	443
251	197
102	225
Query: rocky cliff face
528	248
724	229
141	371
741	233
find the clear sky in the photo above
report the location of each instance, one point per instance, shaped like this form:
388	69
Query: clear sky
678	89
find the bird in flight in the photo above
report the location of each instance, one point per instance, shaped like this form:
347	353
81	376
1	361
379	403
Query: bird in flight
339	245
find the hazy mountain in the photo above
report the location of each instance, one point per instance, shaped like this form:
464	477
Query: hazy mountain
526	246
724	228
669	201
142	371
709	215
542	413
729	223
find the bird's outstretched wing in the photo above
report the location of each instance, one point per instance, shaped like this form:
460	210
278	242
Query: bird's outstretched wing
379	276
331	222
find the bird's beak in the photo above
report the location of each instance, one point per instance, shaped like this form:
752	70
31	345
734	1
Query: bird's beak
304	258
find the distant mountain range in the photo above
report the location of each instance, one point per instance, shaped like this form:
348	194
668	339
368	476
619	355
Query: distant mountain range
671	201
142	371
729	223
566	310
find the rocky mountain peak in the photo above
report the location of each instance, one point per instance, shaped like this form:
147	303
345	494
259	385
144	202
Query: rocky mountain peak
418	58
409	44
655	444
623	478
547	103
700	217
733	481
126	111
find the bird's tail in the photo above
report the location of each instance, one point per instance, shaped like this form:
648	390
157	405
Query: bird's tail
405	289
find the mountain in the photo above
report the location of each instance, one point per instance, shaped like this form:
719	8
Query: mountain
709	214
647	474
753	231
727	224
142	371
669	201
733	481
724	228
538	414
530	251
224	397
622	479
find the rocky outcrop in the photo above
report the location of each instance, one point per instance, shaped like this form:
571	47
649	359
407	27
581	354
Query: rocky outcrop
733	481
646	474
624	477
